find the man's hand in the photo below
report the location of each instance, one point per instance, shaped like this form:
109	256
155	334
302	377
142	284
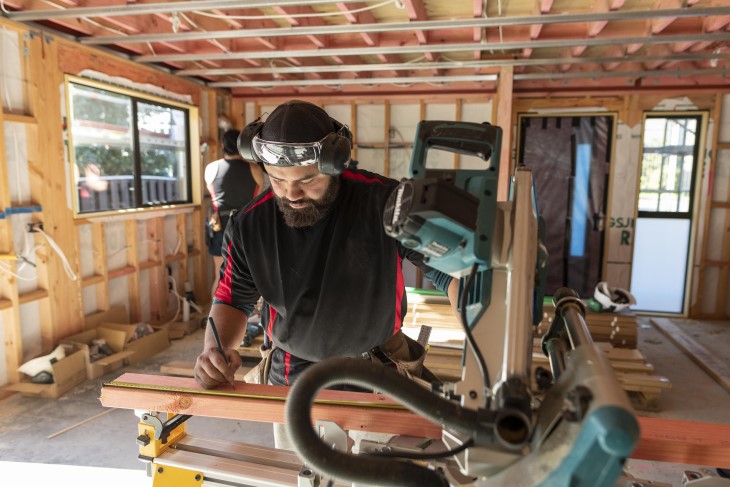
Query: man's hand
211	369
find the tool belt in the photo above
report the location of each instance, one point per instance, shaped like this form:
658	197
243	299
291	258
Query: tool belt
260	373
400	352
406	356
215	219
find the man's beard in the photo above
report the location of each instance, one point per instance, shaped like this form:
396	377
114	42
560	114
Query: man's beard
313	212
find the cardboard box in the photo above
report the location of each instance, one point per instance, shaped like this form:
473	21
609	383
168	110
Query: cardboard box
144	347
114	338
68	372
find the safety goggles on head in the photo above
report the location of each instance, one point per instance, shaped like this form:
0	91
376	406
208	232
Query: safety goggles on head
289	153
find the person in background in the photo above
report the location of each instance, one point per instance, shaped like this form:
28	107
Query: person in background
232	182
313	245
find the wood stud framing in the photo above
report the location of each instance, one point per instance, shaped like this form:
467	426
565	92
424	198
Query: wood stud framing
706	293
59	299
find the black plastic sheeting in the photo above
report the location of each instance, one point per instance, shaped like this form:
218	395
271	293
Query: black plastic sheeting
548	146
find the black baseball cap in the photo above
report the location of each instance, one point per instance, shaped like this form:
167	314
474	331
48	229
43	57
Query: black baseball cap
297	121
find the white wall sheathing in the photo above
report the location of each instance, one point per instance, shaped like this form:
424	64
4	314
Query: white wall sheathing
86	250
340	112
88	295
30	330
17	163
116	245
3	362
173	240
370	132
143	244
11	87
404	120
477	112
119	293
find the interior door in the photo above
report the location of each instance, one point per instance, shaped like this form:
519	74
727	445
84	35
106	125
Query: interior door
569	157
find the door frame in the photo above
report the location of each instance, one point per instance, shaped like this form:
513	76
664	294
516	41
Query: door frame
696	198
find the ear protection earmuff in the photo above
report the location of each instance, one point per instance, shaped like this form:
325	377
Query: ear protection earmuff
335	152
245	141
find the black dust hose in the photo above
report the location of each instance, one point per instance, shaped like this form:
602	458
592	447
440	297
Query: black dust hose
370	470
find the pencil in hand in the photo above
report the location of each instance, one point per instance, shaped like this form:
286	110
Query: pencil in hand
218	344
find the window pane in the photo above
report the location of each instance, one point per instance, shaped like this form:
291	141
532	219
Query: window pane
651	171
667	165
648	201
163	154
101	132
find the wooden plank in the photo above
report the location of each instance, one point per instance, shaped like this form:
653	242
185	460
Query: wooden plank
8	288
661	440
148	264
202	281
49	168
157	275
717	369
19	118
247	402
503	119
122	271
91	280
721	290
135	305
98	246
674	441
32	296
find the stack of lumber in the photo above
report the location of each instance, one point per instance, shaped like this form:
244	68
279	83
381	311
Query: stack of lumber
618	329
614	333
636	376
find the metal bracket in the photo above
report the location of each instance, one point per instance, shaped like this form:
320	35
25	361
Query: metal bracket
333	435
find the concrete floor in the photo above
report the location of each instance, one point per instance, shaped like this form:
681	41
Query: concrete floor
109	440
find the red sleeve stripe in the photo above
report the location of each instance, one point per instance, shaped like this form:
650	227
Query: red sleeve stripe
272	317
287	367
261	201
360	177
399	291
224	292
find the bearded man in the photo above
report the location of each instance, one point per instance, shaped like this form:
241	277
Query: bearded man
313	246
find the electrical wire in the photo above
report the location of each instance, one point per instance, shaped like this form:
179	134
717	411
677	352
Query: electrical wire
294	16
66	265
426	456
467	331
3	7
17	276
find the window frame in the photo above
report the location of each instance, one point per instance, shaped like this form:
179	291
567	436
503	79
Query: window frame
699	116
192	141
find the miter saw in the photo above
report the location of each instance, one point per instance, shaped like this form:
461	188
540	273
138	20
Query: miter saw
495	430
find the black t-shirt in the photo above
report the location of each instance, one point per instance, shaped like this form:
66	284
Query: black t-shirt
335	288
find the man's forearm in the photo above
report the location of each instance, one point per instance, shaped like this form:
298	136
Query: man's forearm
230	323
